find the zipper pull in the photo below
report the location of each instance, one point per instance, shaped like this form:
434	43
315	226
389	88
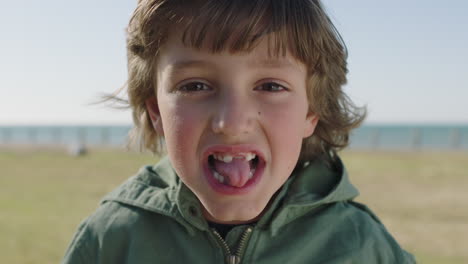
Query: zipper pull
232	259
236	257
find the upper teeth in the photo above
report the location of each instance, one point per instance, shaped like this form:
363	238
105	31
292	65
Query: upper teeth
228	158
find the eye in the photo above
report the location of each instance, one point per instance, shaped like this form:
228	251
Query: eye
271	87
194	87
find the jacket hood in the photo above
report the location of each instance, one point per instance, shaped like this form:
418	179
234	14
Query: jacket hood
158	189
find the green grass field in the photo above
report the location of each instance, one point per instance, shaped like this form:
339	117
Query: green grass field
44	194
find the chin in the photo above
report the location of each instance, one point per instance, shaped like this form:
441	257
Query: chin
232	215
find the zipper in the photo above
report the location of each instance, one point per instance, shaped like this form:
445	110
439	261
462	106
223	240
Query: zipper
236	257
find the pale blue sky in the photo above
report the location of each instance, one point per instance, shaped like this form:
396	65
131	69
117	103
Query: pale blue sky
408	59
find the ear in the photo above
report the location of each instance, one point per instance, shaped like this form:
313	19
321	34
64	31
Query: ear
310	124
153	110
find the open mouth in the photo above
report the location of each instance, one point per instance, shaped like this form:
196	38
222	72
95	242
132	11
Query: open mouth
231	172
219	171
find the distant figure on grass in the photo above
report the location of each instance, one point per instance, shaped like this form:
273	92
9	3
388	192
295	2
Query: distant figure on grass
248	98
77	149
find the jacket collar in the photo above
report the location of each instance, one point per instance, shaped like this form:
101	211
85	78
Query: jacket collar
159	189
311	188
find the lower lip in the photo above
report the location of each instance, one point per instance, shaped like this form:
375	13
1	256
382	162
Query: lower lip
230	190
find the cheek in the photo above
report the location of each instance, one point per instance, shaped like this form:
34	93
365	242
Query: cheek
181	126
286	128
287	120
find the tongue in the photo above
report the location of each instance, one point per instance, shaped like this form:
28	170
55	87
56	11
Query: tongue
235	172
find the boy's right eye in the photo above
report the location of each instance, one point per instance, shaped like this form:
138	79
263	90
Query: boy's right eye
193	87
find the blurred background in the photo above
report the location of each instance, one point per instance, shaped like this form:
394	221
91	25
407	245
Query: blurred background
59	155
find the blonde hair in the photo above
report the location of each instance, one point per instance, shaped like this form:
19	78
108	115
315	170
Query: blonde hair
300	26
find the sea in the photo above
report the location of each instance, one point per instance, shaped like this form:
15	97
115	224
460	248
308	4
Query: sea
370	136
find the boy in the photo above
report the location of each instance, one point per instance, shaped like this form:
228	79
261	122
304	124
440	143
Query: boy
247	97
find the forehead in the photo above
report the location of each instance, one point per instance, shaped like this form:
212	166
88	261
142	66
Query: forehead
181	55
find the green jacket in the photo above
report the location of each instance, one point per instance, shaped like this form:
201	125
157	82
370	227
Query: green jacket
155	218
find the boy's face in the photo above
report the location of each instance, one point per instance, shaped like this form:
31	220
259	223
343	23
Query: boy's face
233	124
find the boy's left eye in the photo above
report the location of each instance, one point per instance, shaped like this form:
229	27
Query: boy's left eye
194	87
271	87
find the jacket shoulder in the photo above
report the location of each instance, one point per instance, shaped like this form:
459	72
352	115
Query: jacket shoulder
105	224
107	235
374	242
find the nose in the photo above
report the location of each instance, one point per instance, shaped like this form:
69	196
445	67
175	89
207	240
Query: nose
233	116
